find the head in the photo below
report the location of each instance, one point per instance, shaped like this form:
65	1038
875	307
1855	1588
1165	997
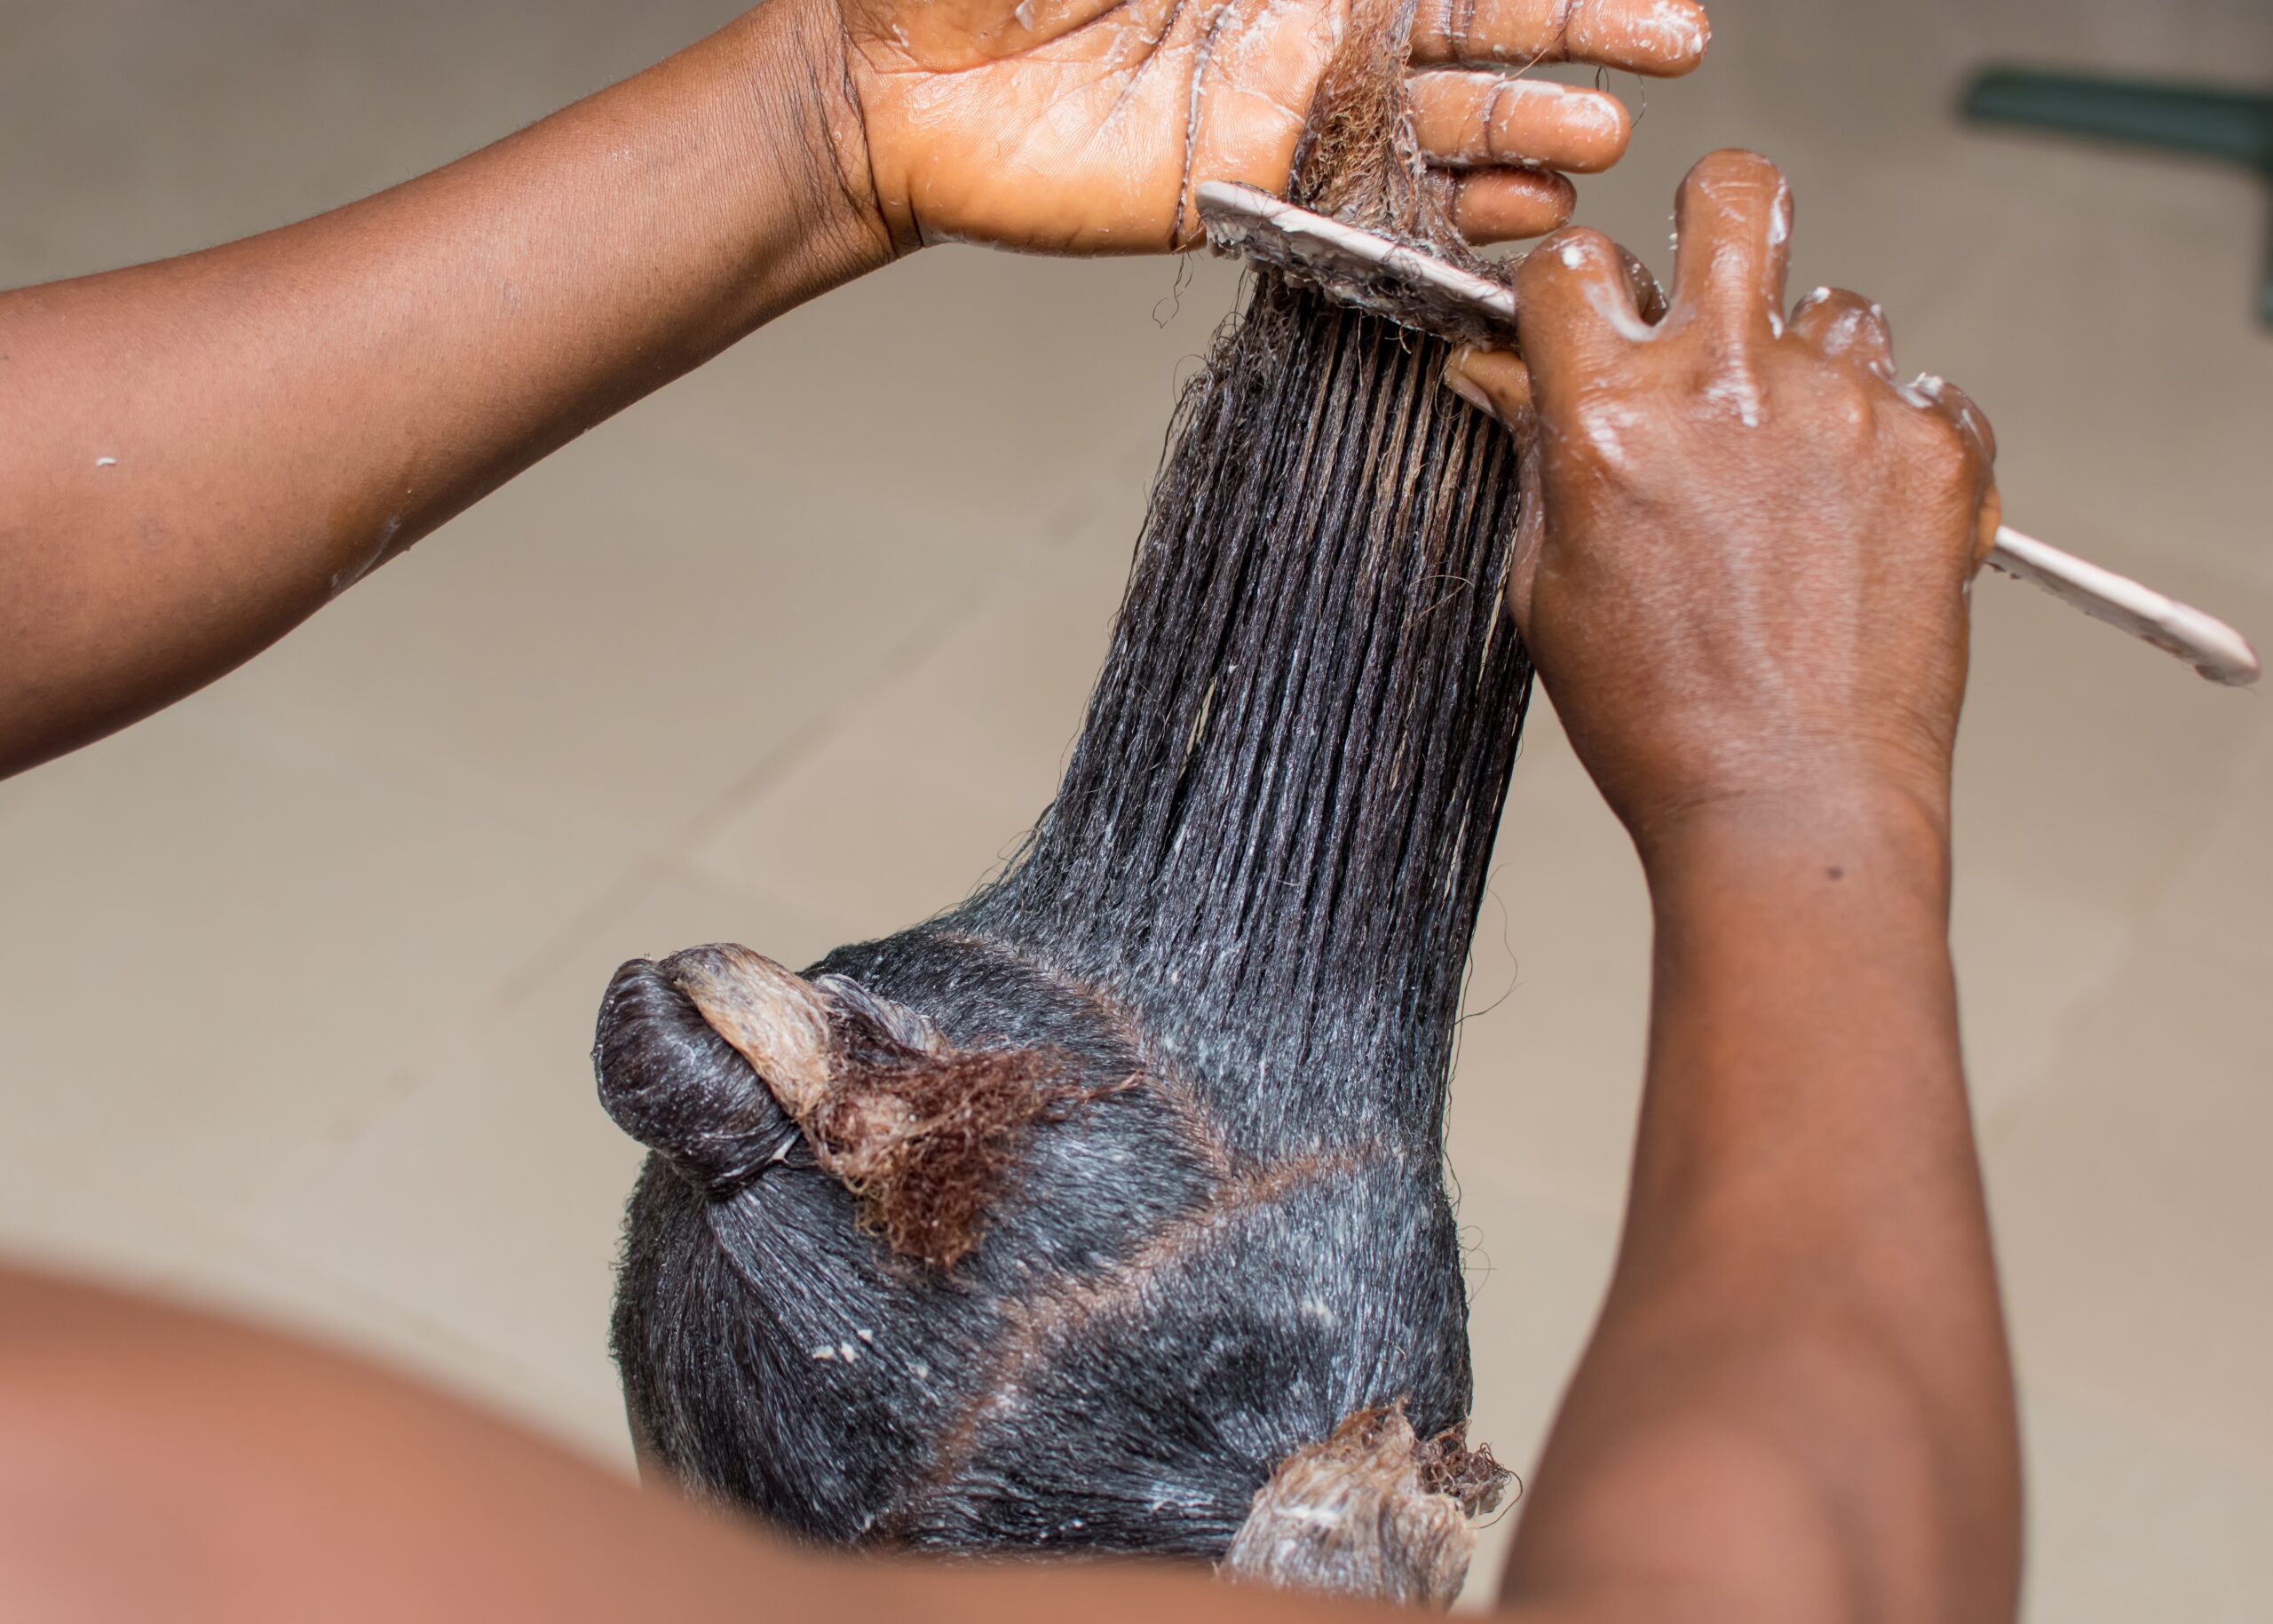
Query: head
937	1250
1107	1212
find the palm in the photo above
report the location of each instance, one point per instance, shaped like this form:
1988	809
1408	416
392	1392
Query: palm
1073	125
1081	125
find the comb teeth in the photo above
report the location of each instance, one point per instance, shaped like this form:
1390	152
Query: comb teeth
1393	280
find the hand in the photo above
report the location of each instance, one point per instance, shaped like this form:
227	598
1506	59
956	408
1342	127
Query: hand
1081	126
1745	565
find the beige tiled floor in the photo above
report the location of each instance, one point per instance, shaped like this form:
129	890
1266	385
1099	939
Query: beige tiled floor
296	980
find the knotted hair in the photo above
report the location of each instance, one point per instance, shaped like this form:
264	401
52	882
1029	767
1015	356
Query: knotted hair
1108	1210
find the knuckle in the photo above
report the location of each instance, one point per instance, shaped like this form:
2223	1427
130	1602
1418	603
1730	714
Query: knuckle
1569	17
1840	320
1564	254
1486	133
1978	430
1846	306
1593	241
1943	449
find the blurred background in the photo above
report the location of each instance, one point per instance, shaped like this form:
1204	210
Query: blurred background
296	980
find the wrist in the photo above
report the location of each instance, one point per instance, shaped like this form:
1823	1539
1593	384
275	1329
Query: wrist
793	122
1869	829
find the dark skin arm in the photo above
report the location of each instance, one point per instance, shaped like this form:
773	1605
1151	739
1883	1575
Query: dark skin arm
1745	578
196	455
1748	600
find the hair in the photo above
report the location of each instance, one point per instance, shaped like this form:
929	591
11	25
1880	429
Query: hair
1107	1211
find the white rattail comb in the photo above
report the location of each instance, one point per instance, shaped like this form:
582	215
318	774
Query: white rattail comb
1415	288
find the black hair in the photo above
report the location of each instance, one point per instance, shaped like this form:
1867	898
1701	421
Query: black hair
1192	1216
1107	1211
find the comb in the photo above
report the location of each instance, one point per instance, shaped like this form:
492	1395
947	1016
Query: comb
1415	289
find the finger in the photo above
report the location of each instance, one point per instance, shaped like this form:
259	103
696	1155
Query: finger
1575	305
1498	384
1947	401
1505	204
1846	326
1495	382
1649	297
1661	37
1959	407
1472	120
1732	220
1990	520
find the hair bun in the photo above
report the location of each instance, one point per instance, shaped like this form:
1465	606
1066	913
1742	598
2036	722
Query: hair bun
672	1083
720	1059
1373	1511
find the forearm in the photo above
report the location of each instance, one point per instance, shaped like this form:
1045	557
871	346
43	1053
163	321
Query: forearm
1797	1402
195	455
163	1464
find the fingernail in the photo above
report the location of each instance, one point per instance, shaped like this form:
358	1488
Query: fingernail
1462	386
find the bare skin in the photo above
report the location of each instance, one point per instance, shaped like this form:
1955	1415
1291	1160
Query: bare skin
198	453
1746	582
1747	597
1057	107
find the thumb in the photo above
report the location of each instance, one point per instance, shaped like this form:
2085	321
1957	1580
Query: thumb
1497	383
